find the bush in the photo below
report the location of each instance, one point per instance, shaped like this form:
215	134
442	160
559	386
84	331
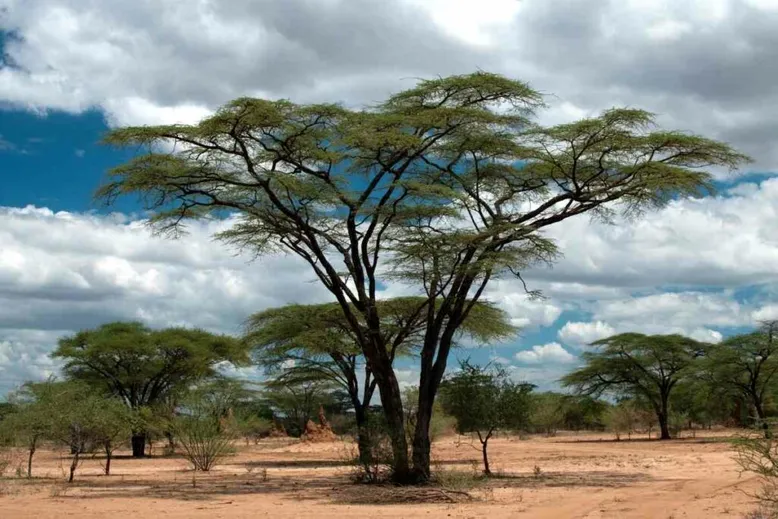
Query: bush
760	456
204	440
547	415
622	419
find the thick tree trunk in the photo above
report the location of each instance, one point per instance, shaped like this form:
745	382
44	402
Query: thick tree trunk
662	415
664	427
421	439
391	400
429	382
363	437
138	442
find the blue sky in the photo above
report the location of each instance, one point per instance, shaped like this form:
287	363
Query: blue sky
55	160
705	268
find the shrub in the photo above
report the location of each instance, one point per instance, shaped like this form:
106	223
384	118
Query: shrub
760	456
204	433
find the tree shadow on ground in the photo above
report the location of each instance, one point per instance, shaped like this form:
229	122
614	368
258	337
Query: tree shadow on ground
335	488
698	440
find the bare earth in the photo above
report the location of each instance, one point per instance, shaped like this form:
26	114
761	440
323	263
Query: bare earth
580	476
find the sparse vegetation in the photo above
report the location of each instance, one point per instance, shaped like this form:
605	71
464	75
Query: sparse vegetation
484	401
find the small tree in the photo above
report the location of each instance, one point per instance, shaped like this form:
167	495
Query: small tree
623	418
203	432
80	417
31	420
484	400
111	424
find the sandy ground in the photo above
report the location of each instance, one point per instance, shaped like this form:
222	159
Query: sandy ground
580	476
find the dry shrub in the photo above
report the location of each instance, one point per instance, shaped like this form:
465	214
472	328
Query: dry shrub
205	441
760	456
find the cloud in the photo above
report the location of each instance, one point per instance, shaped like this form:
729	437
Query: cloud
522	310
727	241
61	272
551	353
174	61
579	334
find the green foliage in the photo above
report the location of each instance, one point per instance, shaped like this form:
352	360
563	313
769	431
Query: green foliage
747	365
143	366
703	402
583	412
71	414
447	186
147	369
547	412
296	403
633	364
485	400
441	422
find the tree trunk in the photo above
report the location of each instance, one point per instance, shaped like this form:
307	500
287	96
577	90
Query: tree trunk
662	416
484	443
138	441
29	459
74	465
429	382
391	400
363	436
663	427
108	453
171	442
421	439
760	414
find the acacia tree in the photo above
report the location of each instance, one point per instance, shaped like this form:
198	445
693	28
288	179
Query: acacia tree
302	343
144	367
444	186
747	363
633	364
484	401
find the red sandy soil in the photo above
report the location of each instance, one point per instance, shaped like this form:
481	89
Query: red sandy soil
582	476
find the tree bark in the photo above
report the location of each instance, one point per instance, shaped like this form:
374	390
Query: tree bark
138	441
484	443
74	465
108	453
421	439
29	458
391	400
363	437
760	414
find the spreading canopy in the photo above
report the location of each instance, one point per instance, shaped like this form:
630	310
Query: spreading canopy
310	342
143	366
444	186
633	364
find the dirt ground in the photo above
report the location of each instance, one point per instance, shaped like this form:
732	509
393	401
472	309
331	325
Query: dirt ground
580	476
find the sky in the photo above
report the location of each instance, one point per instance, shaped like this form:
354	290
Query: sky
71	70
